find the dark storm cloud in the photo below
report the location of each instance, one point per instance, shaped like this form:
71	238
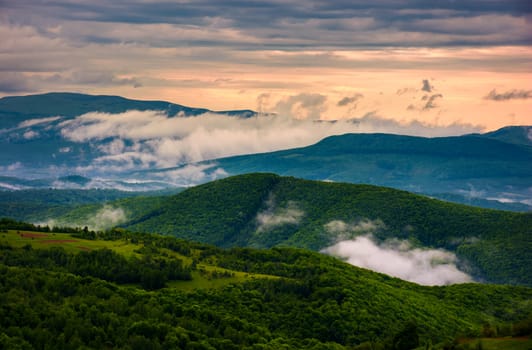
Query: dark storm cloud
295	24
509	95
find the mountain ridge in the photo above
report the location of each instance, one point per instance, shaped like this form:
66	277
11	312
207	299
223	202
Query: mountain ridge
265	210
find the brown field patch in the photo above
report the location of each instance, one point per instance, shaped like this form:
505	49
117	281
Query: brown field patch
84	248
33	235
50	241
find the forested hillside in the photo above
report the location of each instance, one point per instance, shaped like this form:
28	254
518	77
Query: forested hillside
73	206
265	210
121	290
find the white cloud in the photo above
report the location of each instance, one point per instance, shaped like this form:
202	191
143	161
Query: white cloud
274	216
30	134
343	230
11	187
107	217
14	166
32	122
143	139
397	258
191	174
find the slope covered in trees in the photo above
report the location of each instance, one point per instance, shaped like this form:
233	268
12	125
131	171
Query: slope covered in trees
265	210
58	295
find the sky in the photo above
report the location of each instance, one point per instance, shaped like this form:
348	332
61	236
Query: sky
440	63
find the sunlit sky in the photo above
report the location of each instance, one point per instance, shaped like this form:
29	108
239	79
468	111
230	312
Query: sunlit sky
434	62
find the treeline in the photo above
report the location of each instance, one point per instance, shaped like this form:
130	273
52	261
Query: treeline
296	299
150	271
10	224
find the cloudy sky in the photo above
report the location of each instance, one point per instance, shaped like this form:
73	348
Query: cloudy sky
440	62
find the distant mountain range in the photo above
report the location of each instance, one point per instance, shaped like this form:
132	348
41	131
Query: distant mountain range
491	170
496	166
34	147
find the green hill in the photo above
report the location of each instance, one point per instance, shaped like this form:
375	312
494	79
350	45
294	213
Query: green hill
266	210
135	291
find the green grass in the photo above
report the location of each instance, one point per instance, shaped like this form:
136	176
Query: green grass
41	240
205	277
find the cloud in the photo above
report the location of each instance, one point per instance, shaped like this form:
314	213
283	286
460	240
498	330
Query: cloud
14	166
190	174
104	218
107	217
14	82
426	86
349	100
431	104
147	139
509	95
302	106
30	134
36	121
274	216
342	230
277	23
397	258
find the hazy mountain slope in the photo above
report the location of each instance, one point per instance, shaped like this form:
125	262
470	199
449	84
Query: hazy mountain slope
295	299
73	207
470	166
33	144
264	210
512	134
15	109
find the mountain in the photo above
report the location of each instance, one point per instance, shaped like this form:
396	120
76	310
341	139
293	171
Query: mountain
512	134
46	144
16	109
124	290
34	145
468	167
266	210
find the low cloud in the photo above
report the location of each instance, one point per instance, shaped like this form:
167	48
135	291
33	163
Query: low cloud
342	230
397	258
190	174
30	134
14	166
509	95
152	139
274	216
107	217
36	121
